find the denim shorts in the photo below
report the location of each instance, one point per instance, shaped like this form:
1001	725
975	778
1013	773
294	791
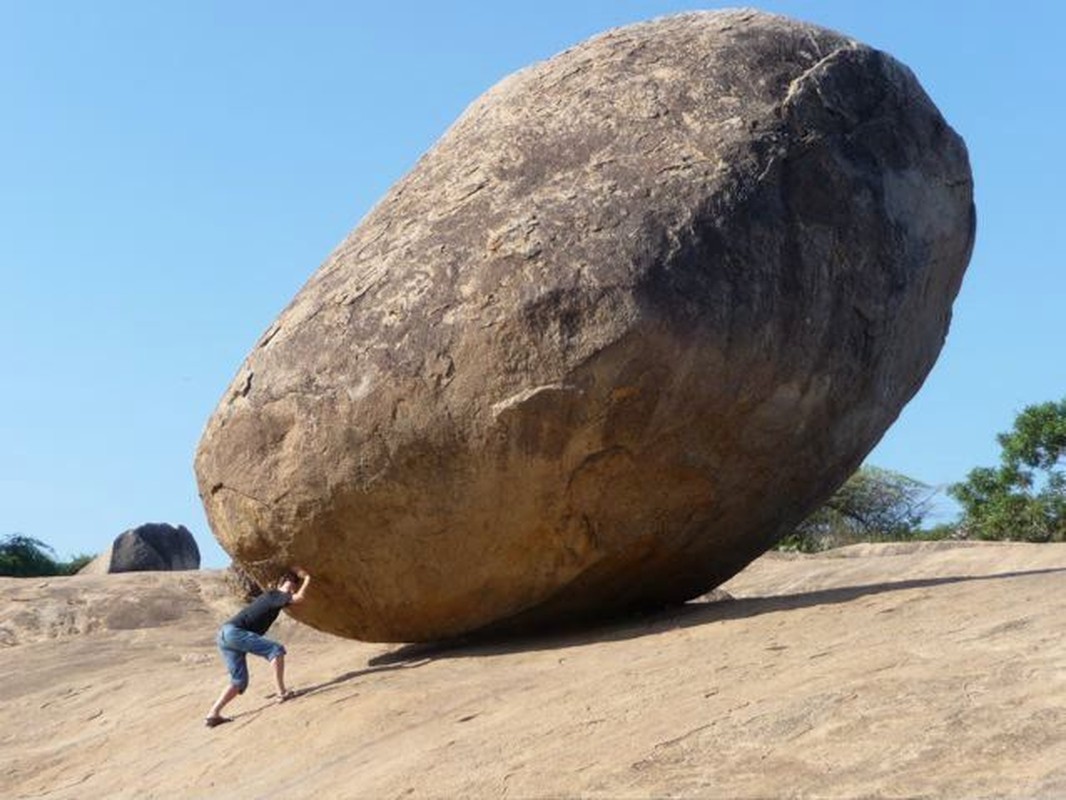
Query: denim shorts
235	643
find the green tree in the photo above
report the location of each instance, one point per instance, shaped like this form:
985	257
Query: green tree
24	557
1025	496
874	504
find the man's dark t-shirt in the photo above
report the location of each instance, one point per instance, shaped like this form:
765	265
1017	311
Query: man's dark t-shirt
260	614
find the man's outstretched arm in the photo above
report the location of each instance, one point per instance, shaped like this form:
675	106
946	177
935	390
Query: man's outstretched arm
305	581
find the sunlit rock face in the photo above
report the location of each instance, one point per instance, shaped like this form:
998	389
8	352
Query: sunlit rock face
642	308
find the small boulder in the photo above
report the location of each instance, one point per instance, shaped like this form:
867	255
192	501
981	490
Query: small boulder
154	547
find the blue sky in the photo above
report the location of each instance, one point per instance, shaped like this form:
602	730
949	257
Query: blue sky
172	173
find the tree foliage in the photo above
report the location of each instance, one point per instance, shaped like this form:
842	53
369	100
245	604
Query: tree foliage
1025	496
26	557
874	504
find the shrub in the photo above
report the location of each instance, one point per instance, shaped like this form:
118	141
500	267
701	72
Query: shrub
874	504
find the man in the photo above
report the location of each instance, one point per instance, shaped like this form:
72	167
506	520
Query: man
245	633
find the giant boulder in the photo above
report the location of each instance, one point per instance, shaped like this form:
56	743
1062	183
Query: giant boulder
641	309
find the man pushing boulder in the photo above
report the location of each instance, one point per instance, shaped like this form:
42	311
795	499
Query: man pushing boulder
245	633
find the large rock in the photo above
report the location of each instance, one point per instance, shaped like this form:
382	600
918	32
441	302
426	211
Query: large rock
640	310
154	546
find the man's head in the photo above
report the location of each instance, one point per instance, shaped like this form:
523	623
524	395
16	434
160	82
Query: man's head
288	582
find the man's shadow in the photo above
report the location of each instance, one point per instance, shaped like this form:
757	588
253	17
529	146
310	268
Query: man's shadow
372	668
325	686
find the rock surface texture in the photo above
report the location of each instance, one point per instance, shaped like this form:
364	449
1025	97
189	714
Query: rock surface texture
641	309
152	547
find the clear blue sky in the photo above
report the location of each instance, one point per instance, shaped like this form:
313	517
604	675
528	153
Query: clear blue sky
171	173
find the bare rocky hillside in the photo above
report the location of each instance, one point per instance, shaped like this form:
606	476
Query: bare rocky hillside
875	671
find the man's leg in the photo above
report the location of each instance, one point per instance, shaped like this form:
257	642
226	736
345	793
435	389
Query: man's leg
237	666
279	674
249	642
228	694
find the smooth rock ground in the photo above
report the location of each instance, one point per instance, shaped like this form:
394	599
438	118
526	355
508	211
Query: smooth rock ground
880	671
638	312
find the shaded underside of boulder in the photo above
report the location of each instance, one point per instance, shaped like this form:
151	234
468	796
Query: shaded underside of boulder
639	311
240	584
